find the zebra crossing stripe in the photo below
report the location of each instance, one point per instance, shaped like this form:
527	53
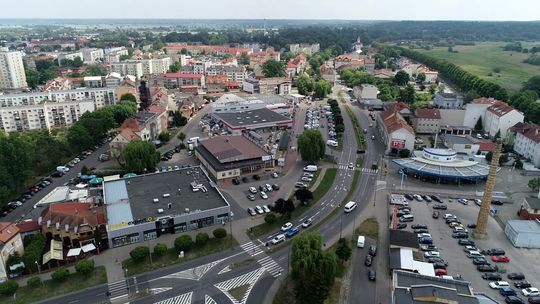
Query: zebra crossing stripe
271	266
159	289
249	278
195	273
117	289
181	299
209	300
251	248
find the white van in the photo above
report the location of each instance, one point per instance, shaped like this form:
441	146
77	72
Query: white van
350	206
310	168
62	169
406	218
332	143
361	241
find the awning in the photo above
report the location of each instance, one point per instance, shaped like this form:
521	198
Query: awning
74	252
88	247
127	175
96	180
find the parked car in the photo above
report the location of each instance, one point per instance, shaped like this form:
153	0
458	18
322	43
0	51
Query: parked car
251	197
495	251
465	242
491	276
498	203
264	195
435	214
373	250
463	201
498	284
369	260
372	275
522	284
530	292
427	198
480	261
419	226
266	209
533	300
440	207
409	197
401	226
259	209
472	226
236	181
418	197
275	186
428	248
500	259
252	190
441	272
486	268
507	291
439	265
425	240
513	300
251	211
460	235
515	276
430	254
418	231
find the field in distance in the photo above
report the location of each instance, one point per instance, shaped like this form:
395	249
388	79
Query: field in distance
485	58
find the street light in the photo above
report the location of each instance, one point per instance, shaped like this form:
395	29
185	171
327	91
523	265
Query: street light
127	280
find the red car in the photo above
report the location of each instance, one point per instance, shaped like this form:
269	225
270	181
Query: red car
500	258
440	272
435	214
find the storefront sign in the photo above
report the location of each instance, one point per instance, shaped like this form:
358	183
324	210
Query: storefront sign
141	221
398	143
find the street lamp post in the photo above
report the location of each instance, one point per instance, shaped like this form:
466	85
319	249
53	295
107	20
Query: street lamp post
127	280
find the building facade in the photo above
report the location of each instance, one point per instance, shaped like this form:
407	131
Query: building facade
426	121
12	75
101	97
395	132
527	143
92	55
448	101
500	117
233	73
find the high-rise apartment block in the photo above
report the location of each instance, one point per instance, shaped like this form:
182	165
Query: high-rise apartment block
12	74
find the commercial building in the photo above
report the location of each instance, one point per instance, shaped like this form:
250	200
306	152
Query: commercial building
527	143
12	75
47	115
365	91
395	132
10	242
100	96
523	233
275	85
144	207
500	117
92	55
231	156
530	208
426	121
239	122
448	101
461	144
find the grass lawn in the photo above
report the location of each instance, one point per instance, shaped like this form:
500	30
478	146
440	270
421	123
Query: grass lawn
483	57
239	292
171	256
369	228
360	140
51	289
324	186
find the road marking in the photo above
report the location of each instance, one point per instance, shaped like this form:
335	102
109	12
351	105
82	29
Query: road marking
117	290
271	266
251	248
249	278
181	299
224	270
209	300
159	289
195	273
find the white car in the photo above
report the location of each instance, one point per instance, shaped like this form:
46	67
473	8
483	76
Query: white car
275	175
418	197
266	209
306	174
268	187
448	215
306	179
463	201
530	292
263	195
286	226
252	190
460	229
307	223
431	254
351	166
499	284
421	235
278	239
259	209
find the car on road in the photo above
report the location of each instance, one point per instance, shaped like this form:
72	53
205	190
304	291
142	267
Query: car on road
495	251
491	276
430	254
252	190
307	223
278	239
350	166
264	195
465	242
286	226
514	276
440	207
498	284
530	292
500	259
369	260
419	226
360	151
292	232
372	275
486	268
251	197
259	209
372	250
251	211
435	214
522	284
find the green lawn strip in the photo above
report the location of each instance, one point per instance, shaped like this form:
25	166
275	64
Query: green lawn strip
359	162
171	256
360	141
324	186
239	292
314	179
369	228
285	293
335	293
51	289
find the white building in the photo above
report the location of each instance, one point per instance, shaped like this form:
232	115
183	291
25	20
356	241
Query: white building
160	65
477	109
93	81
395	132
365	91
308	49
134	68
138	68
231	103
69	56
47	115
501	117
448	100
113	54
101	97
92	55
527	143
427	121
12	74
233	73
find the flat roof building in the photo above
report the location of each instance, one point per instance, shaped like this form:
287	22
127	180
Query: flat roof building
262	118
146	206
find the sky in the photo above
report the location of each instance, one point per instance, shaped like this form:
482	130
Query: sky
503	10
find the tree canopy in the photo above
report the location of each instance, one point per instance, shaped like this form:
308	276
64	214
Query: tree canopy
273	68
140	156
401	78
311	146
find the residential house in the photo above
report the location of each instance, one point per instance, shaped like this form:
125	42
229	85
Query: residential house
215	83
527	143
395	132
296	65
431	75
448	100
10	242
427	121
530	208
365	91
500	117
327	73
275	85
383	73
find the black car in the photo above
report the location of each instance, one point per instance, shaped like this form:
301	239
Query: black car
245	179
427	198
256	177
57	174
436	198
373	250
360	151
421	231
438	265
372	275
236	181
433	260
472	226
262	188
369	260
466	242
402	213
480	261
486	268
513	300
522	284
404	208
419	226
409	197
495	251
401	226
534	300
497	203
516	276
460	235
440	207
275	186
491	276
425	240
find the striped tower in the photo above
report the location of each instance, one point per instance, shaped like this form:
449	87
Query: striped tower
481	223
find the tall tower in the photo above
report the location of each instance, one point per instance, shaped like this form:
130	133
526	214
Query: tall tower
12	75
481	223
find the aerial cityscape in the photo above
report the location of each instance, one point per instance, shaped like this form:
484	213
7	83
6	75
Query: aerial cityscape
286	152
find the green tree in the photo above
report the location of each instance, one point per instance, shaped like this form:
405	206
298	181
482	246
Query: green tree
124	57
77	62
270	218
84	267
311	146
201	238
178	119
432	89
273	68
404	153
401	78
164	136
33	251
479	126
421	77
322	88
140	156
303	195
534	184
32	78
183	243
128	97
312	269
94	70
343	250
518	164
14	259
160	249
407	94
533	84
79	138
8	287
181	136
304	85
175	67
139	253
60	275
219	233
124	110
244	59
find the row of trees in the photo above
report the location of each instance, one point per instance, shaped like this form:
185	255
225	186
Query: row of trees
319	88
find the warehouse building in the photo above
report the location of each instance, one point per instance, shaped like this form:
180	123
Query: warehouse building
259	119
144	207
523	233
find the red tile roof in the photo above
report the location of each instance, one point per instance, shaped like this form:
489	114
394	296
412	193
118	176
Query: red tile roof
428	113
182	75
7	231
28	226
74	214
487	146
500	108
484	100
393	121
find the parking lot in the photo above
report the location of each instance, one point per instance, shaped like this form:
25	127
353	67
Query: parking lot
521	260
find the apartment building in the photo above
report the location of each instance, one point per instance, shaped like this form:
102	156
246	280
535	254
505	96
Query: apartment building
308	49
138	68
100	96
527	143
47	115
233	73
113	54
69	56
427	121
177	80
501	117
275	85
12	74
92	54
10	242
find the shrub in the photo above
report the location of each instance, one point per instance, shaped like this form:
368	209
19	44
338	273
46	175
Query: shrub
34	282
60	275
270	218
8	288
219	233
183	243
202	238
139	253
84	267
160	249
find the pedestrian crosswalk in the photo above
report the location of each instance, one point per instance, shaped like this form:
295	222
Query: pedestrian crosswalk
195	273
271	266
181	299
251	248
159	289
363	170
249	279
117	290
